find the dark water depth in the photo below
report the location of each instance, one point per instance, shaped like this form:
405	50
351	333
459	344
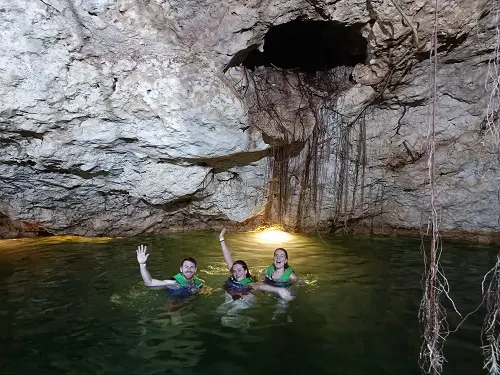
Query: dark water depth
78	306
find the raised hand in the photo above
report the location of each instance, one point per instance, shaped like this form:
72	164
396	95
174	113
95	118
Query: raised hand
142	257
225	250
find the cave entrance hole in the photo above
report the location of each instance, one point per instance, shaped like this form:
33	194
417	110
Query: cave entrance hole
306	46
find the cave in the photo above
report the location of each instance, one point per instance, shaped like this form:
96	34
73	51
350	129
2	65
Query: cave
308	46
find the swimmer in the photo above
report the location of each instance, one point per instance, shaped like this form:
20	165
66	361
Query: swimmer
182	285
279	273
241	284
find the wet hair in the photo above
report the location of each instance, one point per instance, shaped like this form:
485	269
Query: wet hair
244	265
189	259
286	256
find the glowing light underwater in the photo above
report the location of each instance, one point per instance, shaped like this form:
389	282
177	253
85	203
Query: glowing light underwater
273	235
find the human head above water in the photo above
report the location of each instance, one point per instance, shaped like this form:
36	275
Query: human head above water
239	270
188	268
280	258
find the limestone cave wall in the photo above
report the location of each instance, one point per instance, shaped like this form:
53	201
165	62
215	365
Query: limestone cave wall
121	117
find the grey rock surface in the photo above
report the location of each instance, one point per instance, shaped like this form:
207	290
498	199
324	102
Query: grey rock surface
116	117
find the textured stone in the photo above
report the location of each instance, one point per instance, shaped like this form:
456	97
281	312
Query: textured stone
115	117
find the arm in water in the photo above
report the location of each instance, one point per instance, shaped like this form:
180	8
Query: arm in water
142	257
296	280
225	250
282	292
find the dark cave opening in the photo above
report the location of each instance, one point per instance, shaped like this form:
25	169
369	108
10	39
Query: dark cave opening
307	46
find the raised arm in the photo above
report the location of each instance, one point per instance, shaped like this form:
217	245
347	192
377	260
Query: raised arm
225	250
142	257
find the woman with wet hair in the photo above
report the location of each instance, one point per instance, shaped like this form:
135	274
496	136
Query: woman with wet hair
279	273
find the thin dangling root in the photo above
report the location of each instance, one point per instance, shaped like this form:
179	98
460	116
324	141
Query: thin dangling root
491	326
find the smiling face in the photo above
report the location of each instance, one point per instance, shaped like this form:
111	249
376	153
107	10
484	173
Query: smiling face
188	269
280	259
239	271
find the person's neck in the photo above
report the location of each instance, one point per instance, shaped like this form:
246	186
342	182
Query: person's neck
278	271
188	280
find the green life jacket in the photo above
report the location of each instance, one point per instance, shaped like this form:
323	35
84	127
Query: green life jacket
181	280
246	280
284	278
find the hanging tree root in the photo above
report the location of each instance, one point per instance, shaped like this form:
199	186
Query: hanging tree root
490	335
312	124
296	111
492	121
432	315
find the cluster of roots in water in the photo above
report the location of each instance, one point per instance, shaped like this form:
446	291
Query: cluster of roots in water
312	144
491	327
432	315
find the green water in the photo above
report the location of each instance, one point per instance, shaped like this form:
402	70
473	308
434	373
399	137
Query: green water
80	308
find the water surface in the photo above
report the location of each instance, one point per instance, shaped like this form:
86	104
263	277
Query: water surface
78	306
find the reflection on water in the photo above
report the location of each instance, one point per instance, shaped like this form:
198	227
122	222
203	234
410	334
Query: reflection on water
78	306
231	311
